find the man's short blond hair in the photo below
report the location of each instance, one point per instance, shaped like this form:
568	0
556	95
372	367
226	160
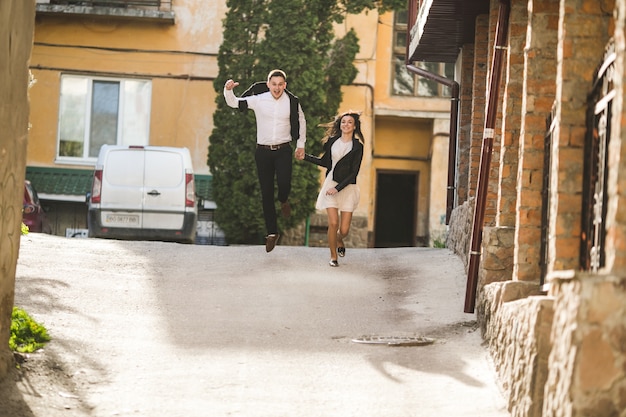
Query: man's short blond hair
276	73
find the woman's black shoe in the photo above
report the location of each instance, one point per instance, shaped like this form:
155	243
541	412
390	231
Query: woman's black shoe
333	263
341	251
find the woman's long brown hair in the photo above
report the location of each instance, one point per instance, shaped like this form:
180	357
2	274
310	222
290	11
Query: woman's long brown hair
333	129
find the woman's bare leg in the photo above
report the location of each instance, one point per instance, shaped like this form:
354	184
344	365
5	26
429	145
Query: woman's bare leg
333	224
344	229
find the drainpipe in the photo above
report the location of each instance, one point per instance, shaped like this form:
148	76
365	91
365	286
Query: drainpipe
485	159
454	116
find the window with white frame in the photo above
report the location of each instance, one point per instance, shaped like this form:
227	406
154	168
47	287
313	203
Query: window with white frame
95	111
406	83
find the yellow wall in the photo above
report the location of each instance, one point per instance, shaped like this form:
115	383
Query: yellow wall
404	144
401	136
179	58
44	110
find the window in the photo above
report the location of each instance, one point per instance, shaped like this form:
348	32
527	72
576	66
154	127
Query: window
406	83
98	111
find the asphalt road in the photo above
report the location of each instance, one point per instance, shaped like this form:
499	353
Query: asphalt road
165	330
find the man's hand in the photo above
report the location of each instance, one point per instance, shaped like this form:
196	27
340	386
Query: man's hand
299	154
230	84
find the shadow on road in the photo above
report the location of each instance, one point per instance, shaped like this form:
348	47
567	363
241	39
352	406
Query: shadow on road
12	402
46	379
436	358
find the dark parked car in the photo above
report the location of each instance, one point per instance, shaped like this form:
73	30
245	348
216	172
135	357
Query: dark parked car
33	214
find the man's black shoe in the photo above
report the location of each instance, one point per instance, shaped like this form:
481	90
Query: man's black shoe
285	209
270	242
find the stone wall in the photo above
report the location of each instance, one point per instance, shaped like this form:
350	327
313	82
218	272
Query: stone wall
460	230
587	372
561	355
516	326
496	262
17	20
318	226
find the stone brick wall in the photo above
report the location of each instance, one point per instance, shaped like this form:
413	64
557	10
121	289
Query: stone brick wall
479	97
318	227
512	79
587	372
518	335
460	230
579	53
465	124
540	91
496	255
560	355
17	20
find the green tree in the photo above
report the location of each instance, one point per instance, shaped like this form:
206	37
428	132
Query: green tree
296	36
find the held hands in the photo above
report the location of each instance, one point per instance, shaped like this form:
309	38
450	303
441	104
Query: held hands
299	154
230	84
331	191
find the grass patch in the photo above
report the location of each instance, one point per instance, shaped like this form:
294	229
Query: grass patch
438	243
27	335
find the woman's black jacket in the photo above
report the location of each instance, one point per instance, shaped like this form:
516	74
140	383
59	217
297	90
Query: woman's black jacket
346	169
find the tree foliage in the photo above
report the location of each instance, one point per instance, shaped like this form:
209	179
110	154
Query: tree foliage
296	36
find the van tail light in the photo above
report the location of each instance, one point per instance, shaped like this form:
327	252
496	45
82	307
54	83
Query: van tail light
190	191
96	188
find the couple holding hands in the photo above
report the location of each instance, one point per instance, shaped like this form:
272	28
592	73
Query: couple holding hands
280	119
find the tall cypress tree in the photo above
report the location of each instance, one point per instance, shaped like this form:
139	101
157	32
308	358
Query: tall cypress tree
296	36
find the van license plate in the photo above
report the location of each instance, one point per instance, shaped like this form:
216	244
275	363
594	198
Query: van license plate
126	219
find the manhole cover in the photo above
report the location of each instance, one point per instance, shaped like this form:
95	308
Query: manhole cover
395	340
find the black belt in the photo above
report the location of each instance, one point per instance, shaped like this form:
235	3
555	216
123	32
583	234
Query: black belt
273	147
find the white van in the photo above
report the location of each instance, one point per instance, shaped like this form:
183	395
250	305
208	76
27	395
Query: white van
143	193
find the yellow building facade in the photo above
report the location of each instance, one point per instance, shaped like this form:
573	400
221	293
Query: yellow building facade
158	60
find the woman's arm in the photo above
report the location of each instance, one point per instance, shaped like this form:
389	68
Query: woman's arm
321	161
324	160
353	158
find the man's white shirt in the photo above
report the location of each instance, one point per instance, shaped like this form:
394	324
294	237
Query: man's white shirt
273	123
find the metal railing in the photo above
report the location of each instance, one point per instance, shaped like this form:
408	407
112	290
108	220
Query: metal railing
112	3
595	176
551	123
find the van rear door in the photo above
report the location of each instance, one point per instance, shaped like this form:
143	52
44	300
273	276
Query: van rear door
122	184
164	190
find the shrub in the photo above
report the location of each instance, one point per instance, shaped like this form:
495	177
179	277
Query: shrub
26	334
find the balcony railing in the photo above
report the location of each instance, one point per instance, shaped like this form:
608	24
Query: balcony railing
154	10
111	3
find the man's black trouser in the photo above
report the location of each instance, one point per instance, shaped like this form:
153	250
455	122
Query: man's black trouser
270	164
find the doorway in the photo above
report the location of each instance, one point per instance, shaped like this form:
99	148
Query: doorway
396	209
